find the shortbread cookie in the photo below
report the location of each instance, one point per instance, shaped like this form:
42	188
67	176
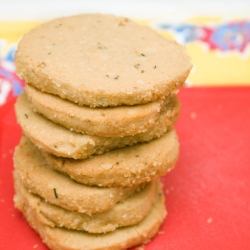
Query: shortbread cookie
127	213
59	189
116	121
108	61
70	144
122	238
122	167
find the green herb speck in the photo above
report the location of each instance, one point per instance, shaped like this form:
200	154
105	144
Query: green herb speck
55	193
60	24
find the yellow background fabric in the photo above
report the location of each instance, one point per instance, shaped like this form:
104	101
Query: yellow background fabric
212	67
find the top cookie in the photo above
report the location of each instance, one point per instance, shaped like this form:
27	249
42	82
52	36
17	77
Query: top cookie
101	60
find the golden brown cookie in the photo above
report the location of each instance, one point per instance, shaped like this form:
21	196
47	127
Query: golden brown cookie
101	60
122	238
58	188
60	141
127	213
122	167
105	122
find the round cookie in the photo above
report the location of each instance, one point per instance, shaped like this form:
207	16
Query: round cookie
105	122
122	238
109	61
127	213
59	189
66	143
122	167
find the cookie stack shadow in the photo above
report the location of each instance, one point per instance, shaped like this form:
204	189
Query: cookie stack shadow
88	177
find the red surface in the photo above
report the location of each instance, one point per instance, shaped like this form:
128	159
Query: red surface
211	182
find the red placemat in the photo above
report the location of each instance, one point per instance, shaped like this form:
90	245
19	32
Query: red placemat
207	194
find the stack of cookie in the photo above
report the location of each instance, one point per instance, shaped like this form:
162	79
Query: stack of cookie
97	116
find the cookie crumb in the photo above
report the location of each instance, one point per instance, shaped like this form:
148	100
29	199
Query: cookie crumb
107	166
140	248
35	246
161	232
209	220
193	115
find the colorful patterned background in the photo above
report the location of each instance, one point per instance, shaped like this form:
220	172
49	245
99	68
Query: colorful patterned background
219	50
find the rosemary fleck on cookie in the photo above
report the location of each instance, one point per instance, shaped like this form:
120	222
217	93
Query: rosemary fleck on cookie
101	60
122	238
61	190
62	142
129	212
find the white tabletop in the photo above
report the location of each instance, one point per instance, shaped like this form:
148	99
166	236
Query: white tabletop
167	10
